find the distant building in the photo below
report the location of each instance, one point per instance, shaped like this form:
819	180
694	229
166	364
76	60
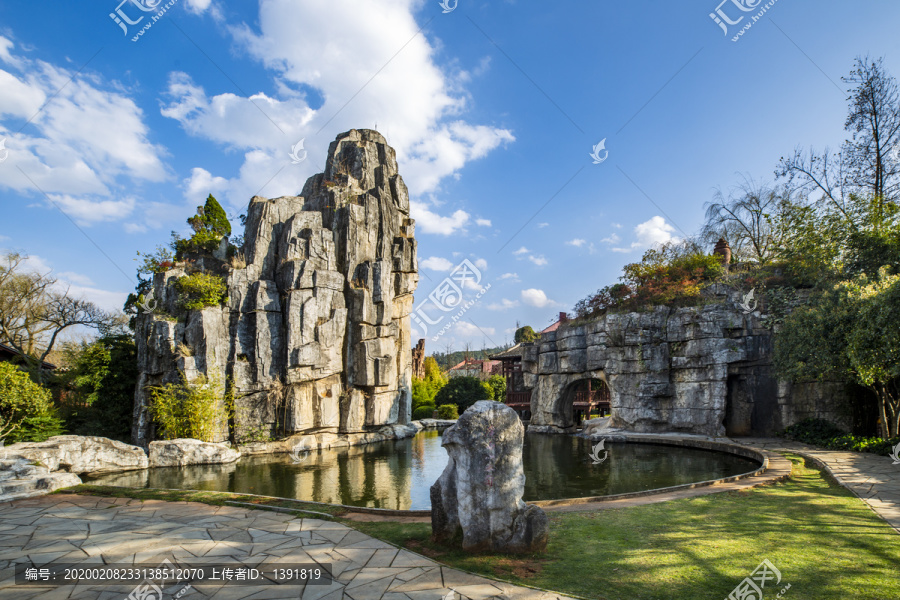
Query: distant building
10	354
517	397
475	367
563	318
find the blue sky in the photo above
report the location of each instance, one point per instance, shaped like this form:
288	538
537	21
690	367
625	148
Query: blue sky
493	108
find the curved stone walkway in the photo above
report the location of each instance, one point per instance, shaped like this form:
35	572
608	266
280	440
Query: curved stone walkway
874	479
70	529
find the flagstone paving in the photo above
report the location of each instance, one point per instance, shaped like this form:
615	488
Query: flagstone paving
875	479
83	530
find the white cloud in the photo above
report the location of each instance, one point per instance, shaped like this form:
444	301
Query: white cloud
415	102
612	239
511	276
577	242
483	222
652	232
521	251
481	264
82	148
430	222
504	304
436	263
537	298
538	260
542	225
466	329
616	225
198	6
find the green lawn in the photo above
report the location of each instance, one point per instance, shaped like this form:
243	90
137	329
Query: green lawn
827	544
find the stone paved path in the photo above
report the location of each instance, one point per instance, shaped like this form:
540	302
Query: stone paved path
68	529
875	479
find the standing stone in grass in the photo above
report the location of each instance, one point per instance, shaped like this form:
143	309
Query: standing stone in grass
480	491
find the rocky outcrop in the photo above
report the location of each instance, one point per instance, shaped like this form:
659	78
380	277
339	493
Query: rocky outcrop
78	454
23	478
182	452
315	333
480	490
703	370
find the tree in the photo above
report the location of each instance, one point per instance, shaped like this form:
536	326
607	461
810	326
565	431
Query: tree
848	333
463	392
210	225
34	312
867	165
526	335
424	390
747	220
498	383
26	409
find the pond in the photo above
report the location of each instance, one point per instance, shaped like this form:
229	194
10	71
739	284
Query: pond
398	474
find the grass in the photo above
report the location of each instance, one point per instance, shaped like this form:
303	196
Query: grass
825	541
213	498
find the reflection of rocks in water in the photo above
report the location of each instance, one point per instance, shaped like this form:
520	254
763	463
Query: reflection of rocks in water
137	479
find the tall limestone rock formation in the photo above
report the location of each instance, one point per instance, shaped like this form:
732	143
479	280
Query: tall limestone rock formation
314	334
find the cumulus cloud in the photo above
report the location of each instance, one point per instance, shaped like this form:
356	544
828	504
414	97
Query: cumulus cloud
537	298
652	232
83	148
483	222
347	57
524	252
436	263
577	242
542	225
521	251
510	276
504	304
465	329
538	260
481	264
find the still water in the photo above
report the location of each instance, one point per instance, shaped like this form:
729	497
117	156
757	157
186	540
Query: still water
398	474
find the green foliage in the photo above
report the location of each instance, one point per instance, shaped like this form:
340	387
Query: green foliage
526	335
157	261
671	275
463	392
210	225
498	383
27	413
849	332
448	411
488	390
189	410
820	432
200	290
423	412
424	390
102	376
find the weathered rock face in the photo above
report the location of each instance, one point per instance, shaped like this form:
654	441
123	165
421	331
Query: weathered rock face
480	490
77	454
315	334
704	370
22	478
179	453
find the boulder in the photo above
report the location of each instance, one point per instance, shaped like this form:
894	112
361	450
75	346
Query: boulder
181	452
82	454
480	491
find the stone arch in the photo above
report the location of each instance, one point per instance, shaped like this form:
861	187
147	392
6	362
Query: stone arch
553	397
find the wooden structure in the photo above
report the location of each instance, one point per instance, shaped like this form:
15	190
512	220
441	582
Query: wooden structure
517	397
586	401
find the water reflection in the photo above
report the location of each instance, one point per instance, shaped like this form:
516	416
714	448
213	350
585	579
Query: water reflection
398	474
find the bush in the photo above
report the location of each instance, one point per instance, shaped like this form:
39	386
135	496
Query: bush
448	411
200	290
424	390
498	384
27	413
189	410
463	392
813	431
526	335
423	412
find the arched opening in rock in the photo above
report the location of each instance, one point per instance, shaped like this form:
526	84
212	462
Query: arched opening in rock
584	399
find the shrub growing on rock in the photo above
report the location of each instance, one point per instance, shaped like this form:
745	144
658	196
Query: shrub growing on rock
200	290
27	413
189	410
